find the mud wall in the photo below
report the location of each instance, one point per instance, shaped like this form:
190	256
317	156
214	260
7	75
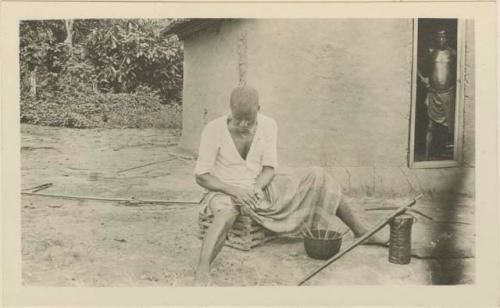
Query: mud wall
340	91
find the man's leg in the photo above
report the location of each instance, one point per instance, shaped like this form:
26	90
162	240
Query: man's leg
355	219
224	217
428	140
318	189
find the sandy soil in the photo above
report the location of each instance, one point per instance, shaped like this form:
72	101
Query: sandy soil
94	243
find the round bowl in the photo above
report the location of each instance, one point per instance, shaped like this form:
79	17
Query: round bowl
322	247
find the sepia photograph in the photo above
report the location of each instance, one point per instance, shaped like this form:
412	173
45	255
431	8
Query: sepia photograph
247	152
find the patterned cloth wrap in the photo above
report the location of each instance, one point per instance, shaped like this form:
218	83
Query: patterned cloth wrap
302	198
441	107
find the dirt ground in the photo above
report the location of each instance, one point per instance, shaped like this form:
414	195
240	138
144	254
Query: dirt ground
95	243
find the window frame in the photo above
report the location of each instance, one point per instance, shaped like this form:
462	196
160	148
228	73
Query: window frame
459	103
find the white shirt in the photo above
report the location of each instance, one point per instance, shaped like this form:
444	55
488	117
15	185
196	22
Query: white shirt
219	156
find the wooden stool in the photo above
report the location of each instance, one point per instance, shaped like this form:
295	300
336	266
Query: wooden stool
244	235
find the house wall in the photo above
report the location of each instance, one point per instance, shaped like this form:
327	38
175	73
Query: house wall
340	91
469	97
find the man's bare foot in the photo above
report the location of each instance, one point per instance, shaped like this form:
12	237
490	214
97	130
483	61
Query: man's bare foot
202	277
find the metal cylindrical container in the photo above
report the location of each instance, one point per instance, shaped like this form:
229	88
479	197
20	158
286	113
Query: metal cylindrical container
400	241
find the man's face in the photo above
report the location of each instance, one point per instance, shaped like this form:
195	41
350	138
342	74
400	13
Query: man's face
442	39
243	120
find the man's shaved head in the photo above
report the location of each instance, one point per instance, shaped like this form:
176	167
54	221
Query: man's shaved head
244	99
442	38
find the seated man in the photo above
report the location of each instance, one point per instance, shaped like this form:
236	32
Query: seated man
236	163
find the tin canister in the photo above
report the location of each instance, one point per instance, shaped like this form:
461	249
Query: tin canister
400	239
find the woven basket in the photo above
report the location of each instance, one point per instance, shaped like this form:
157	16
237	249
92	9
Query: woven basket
244	235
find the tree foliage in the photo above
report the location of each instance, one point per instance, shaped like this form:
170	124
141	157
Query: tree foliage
105	56
125	58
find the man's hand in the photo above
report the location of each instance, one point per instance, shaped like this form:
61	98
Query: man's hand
245	196
241	196
426	82
258	192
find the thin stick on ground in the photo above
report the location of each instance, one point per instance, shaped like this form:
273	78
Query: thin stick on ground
111	199
388	208
39	187
182	157
145	165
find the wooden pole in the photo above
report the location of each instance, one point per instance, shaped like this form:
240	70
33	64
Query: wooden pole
363	238
242	59
111	199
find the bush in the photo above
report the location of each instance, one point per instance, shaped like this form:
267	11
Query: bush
87	109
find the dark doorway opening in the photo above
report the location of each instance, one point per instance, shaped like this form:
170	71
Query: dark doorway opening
436	90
